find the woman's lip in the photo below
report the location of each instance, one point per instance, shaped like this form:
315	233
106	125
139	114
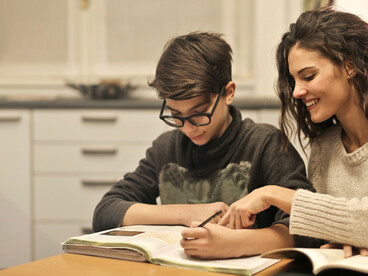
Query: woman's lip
311	103
312	106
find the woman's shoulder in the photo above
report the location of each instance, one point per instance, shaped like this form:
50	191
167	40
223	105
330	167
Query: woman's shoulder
328	136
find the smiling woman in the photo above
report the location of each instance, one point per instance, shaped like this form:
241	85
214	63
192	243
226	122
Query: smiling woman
323	86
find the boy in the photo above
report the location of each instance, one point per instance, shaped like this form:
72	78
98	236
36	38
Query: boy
211	159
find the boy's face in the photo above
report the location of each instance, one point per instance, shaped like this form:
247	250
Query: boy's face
220	120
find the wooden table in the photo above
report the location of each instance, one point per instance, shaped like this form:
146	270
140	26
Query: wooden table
73	264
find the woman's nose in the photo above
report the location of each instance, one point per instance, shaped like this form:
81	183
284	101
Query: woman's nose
299	92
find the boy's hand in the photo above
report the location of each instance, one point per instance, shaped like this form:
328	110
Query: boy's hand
201	212
210	242
242	213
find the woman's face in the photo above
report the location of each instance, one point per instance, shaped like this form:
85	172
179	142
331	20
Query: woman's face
322	86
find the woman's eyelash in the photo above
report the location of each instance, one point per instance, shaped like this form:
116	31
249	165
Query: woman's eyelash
309	78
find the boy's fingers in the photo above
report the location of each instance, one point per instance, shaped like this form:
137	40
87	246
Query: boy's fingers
193	233
194	224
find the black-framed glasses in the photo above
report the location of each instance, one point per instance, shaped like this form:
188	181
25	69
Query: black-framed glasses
200	119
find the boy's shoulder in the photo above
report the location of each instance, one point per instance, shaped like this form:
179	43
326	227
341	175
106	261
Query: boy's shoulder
167	137
248	125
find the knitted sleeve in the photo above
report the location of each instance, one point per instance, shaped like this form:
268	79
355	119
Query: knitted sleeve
138	186
331	218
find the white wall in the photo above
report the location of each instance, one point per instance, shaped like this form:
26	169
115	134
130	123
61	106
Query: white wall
358	7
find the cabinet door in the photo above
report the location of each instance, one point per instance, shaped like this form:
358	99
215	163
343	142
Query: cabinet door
48	237
15	202
40	39
128	36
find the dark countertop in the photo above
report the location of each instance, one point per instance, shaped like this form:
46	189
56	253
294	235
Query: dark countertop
128	103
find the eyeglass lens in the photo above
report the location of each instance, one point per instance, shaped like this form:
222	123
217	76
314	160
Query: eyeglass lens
199	120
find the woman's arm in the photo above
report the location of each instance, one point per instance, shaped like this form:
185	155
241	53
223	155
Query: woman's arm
336	219
242	213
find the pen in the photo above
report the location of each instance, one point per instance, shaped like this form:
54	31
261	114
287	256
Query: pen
209	219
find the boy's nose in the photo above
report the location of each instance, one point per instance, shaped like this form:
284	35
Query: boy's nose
187	128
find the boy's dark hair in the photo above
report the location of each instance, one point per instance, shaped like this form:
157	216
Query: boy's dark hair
336	35
196	64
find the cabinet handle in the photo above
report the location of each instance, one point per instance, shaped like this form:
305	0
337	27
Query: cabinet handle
100	151
9	118
99	118
98	182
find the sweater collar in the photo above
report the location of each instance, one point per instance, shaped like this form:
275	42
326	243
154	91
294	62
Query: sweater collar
216	153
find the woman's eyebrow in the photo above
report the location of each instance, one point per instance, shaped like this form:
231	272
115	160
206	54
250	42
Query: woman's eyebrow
303	69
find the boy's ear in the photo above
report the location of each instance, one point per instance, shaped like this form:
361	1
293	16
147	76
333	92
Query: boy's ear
350	68
229	92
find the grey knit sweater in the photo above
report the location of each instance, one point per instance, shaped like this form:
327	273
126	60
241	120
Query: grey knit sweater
339	211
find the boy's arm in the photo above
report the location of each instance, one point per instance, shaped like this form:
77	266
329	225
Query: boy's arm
218	242
133	199
139	186
178	214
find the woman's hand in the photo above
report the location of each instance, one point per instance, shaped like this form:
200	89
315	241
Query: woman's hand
348	249
242	213
210	242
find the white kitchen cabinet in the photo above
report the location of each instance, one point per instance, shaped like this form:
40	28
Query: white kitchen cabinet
15	187
48	237
40	41
97	125
77	156
48	42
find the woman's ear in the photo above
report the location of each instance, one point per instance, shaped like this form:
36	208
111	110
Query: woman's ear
229	92
350	68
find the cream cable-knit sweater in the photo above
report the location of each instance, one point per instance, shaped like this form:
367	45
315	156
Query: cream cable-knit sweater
339	211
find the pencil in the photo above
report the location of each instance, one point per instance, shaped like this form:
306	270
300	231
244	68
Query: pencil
210	218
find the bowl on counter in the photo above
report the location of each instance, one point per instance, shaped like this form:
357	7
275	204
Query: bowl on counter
105	89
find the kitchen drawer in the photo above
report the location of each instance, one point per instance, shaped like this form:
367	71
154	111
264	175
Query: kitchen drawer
88	157
70	198
97	125
48	237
